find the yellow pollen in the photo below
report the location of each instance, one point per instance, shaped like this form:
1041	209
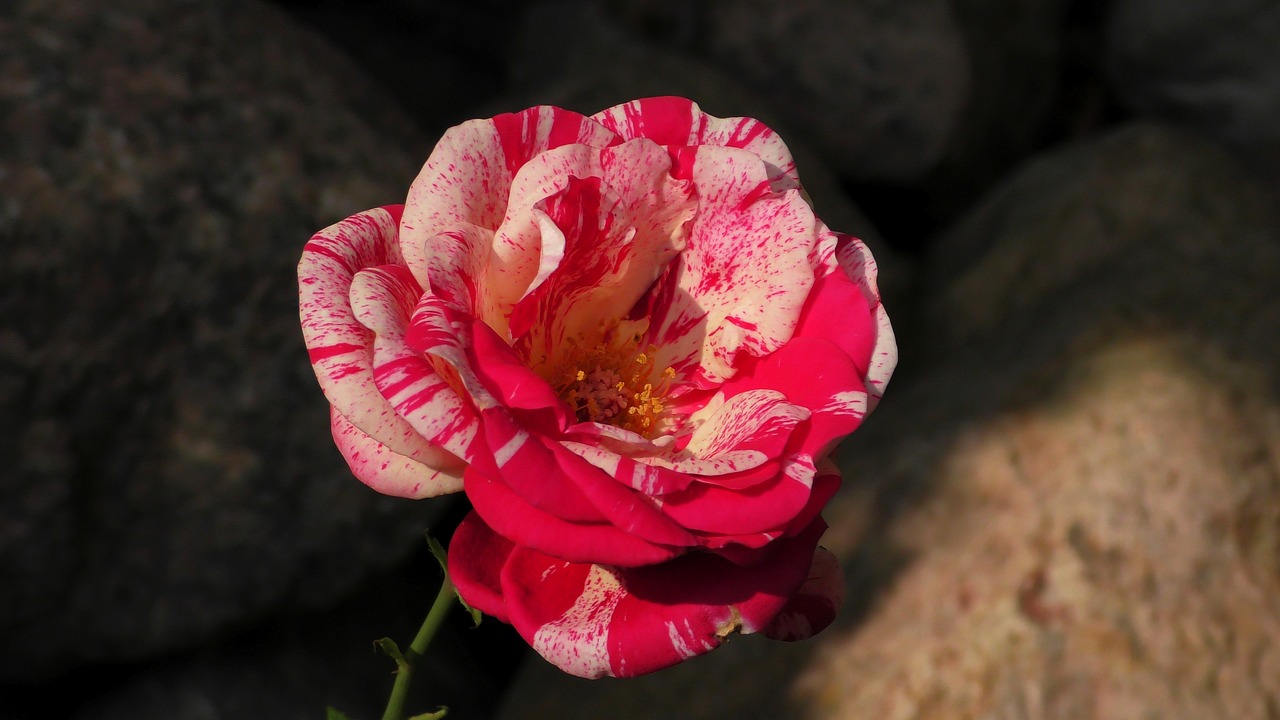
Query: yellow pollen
613	382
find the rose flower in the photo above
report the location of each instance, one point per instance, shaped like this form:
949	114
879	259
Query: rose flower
627	338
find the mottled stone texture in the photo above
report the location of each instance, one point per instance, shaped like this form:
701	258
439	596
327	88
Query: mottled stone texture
1068	505
168	471
1211	65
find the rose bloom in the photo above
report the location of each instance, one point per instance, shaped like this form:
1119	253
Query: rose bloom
627	338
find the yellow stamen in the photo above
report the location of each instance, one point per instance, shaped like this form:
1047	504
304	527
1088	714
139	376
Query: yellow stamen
591	380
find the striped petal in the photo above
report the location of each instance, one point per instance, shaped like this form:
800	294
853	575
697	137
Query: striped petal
382	299
676	121
340	346
386	471
594	621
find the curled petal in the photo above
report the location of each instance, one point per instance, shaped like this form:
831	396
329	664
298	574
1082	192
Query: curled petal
382	298
388	472
528	527
677	121
593	620
340	346
860	267
713	509
476	557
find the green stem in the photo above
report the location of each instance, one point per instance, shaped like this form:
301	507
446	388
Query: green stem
404	670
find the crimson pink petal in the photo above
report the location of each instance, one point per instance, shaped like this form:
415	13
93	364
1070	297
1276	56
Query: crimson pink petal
838	311
813	373
593	621
525	525
712	509
520	389
552	478
476	557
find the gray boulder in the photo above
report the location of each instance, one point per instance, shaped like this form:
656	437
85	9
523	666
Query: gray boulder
168	468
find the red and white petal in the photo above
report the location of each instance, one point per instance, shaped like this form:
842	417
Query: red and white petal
677	121
593	620
388	472
452	266
858	264
616	230
341	348
814	605
816	374
476	557
382	299
743	278
467	178
712	509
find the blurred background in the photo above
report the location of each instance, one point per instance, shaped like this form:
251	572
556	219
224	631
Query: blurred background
1067	506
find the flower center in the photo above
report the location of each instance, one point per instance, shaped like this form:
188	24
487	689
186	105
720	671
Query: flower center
614	382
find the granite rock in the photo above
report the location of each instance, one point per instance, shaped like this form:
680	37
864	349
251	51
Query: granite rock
1210	65
168	468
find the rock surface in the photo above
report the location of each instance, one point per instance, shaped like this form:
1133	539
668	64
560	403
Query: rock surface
1213	65
168	468
1069	506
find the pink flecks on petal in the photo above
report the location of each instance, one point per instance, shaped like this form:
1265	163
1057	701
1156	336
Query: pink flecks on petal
677	121
595	621
341	348
388	472
382	299
451	265
856	261
814	605
743	278
756	423
476	557
616	232
533	131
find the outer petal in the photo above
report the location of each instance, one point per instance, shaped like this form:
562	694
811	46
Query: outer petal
386	471
816	374
527	526
467	178
856	261
591	620
677	121
476	557
341	348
